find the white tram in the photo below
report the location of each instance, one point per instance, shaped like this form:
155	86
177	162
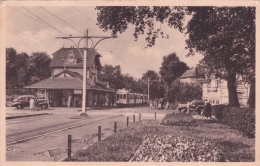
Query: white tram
126	98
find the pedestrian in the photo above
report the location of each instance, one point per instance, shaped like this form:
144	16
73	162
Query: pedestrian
160	104
167	105
32	104
69	100
151	104
36	104
188	107
208	110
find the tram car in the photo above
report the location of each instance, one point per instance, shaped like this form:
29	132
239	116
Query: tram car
126	98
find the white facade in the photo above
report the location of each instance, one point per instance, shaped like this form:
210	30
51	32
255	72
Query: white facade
216	92
196	81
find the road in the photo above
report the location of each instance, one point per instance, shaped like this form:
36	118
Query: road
44	138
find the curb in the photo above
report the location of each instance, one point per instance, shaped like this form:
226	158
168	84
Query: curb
22	116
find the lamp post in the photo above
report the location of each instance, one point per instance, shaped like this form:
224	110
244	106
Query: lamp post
86	37
149	83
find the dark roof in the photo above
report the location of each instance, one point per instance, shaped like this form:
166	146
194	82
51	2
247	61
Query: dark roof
195	72
58	56
73	82
73	74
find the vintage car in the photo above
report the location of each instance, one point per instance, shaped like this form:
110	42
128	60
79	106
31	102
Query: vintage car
24	101
195	105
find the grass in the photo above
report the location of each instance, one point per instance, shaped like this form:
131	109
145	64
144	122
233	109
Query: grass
121	146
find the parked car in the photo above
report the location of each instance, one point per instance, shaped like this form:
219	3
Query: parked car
182	107
195	105
24	101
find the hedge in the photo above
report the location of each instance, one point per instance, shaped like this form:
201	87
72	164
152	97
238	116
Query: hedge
242	119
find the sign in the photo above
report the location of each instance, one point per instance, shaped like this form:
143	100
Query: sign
77	91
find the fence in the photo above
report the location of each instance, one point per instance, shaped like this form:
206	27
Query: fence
99	132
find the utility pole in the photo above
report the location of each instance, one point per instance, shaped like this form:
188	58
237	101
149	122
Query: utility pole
86	37
148	85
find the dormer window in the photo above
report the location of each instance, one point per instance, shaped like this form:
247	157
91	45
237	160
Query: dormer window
71	57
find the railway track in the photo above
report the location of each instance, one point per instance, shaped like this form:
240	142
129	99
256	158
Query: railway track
39	132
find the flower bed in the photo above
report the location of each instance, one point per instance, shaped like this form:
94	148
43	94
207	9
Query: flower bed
177	149
179	119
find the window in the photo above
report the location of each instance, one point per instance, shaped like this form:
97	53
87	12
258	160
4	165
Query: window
124	96
117	96
41	94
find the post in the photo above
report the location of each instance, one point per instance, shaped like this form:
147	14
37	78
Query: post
115	128
69	146
99	133
84	93
127	120
148	85
139	116
133	118
155	115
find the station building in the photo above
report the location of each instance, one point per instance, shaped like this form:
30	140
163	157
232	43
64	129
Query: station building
66	80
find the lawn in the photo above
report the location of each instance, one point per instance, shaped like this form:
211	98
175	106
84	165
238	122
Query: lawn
180	139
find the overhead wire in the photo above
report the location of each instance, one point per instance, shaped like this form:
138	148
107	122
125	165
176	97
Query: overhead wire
101	44
61	20
31	36
43	20
84	14
24	14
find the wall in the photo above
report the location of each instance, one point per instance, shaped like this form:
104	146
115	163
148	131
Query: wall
196	81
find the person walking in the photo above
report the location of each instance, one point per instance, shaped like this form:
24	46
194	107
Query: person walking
69	100
32	104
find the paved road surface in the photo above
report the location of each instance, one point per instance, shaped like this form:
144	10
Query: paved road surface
53	146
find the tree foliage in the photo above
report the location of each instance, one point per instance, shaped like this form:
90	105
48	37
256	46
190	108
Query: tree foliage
23	70
224	35
226	38
172	68
113	75
184	92
39	66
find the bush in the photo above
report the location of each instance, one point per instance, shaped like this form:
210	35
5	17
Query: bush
217	111
242	119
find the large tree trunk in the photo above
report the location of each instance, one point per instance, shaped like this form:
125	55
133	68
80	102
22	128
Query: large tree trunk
232	90
251	99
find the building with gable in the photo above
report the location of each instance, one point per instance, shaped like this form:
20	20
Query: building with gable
214	90
195	75
67	81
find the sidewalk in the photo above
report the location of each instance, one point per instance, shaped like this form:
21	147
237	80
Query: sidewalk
13	113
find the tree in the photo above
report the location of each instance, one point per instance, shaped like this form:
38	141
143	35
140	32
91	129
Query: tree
172	68
153	83
11	55
39	67
22	68
112	75
224	35
128	81
226	38
183	92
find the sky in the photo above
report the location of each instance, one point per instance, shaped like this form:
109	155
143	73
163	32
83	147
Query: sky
34	28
